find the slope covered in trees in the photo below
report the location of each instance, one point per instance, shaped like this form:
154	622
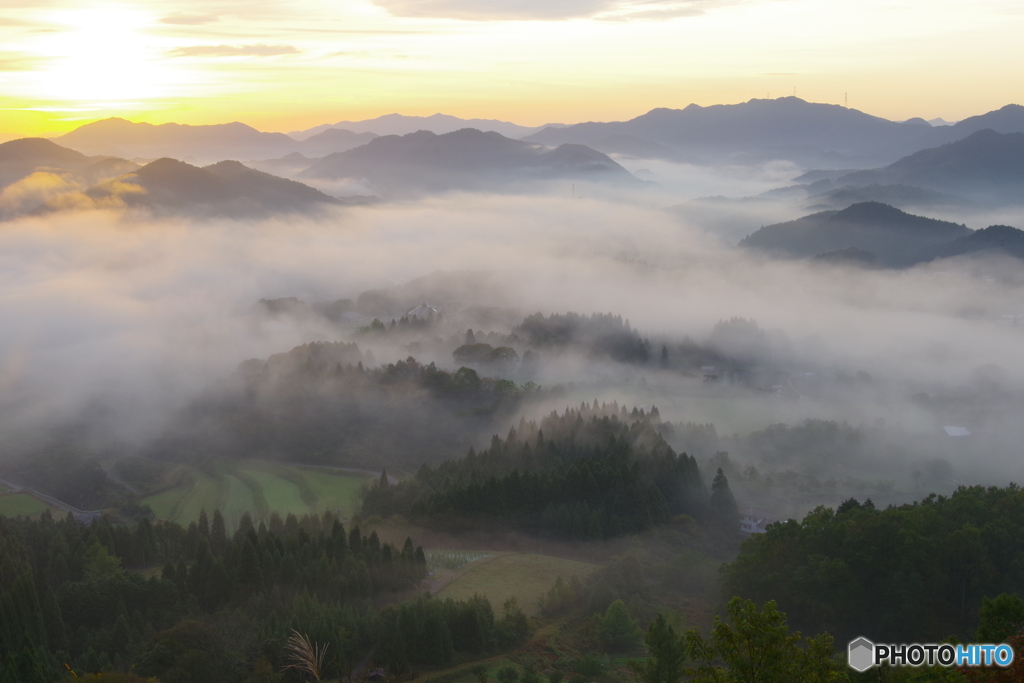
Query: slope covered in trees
224	604
593	472
911	573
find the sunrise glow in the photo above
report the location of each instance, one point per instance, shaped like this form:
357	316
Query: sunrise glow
286	67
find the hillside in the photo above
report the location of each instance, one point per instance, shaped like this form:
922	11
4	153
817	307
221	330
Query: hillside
21	158
986	165
37	170
467	159
227	188
399	124
896	238
201	144
995	238
333	140
788	127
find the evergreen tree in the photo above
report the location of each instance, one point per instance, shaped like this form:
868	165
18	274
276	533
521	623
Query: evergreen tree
618	630
218	535
667	655
722	507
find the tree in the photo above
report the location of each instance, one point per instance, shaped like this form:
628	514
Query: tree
722	506
98	562
218	535
757	647
618	630
1001	617
667	655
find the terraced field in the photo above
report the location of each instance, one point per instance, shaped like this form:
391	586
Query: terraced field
524	576
236	488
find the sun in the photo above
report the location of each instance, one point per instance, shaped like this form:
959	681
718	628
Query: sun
104	54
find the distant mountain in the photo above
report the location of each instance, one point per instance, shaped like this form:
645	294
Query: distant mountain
996	238
44	170
788	125
20	158
398	124
466	159
203	144
896	238
894	195
169	186
333	140
986	164
826	135
1008	119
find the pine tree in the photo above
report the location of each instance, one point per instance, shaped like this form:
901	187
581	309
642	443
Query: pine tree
218	535
724	512
618	630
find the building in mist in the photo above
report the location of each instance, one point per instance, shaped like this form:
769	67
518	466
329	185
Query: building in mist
754	520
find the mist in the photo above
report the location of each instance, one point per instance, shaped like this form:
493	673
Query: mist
128	319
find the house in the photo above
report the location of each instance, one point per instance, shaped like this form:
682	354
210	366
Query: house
754	520
956	431
423	311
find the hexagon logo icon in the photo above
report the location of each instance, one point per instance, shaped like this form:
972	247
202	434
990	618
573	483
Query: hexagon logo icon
861	654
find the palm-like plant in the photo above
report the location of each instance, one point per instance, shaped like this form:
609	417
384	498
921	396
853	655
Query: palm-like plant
306	656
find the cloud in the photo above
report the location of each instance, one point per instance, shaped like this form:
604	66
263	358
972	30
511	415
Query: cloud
234	51
485	10
188	19
33	190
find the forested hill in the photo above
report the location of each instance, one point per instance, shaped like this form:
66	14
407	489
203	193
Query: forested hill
913	573
318	404
589	473
600	334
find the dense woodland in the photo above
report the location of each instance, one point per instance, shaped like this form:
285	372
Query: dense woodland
222	606
910	573
589	473
319	404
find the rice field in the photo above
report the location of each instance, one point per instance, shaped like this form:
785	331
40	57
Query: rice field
236	488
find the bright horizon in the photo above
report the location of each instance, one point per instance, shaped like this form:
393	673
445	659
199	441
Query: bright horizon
291	67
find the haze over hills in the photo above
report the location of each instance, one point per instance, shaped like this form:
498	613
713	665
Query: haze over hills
399	124
21	158
201	144
467	159
783	128
810	134
123	138
169	186
871	231
34	170
986	165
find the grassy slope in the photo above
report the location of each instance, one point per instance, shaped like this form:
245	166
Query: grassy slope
335	491
282	496
256	488
21	504
525	576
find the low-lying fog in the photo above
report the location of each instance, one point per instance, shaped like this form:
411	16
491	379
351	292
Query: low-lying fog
129	318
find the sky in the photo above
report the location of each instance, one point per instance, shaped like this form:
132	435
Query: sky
294	64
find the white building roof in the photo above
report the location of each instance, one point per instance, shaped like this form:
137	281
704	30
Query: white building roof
422	311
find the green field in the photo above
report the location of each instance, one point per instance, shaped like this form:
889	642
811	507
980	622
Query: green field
236	488
21	504
524	576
